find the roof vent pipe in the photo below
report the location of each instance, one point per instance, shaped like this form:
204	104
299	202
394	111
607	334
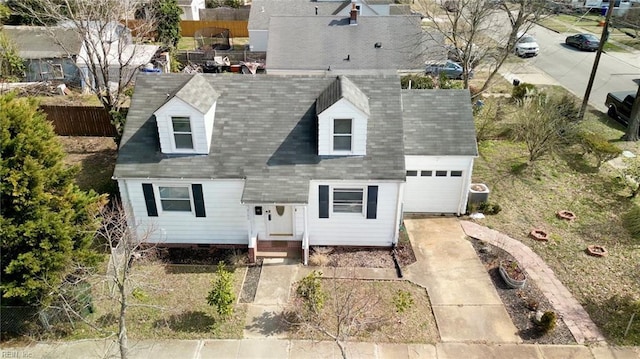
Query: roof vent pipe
377	45
316	10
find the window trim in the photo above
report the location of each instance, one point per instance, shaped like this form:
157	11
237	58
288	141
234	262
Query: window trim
174	133
53	71
160	207
334	135
361	189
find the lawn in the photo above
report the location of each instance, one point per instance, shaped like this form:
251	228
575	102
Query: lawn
415	325
531	194
169	302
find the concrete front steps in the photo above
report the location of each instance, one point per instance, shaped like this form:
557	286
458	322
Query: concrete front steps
279	249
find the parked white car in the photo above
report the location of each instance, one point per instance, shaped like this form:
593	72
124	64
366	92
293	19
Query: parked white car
527	46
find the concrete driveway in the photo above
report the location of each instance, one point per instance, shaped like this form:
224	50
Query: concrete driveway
465	303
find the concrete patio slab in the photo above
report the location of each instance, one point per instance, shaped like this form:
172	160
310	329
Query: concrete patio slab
265	322
261	348
475	324
565	352
223	349
608	352
413	351
275	281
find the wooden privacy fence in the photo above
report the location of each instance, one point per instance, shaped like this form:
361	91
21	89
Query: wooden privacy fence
237	28
80	120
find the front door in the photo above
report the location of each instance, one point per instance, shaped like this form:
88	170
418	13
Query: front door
280	221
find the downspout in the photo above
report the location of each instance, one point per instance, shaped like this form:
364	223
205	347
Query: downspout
305	237
464	193
398	213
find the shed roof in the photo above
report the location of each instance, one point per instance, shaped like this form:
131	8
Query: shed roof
38	42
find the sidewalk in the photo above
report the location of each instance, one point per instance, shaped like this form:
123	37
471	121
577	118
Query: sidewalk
294	349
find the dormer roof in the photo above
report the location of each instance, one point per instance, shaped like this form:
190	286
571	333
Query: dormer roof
341	88
196	92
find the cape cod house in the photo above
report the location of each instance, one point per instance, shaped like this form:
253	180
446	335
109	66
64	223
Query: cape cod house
219	160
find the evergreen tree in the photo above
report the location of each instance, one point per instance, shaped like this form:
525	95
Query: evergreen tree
46	222
167	17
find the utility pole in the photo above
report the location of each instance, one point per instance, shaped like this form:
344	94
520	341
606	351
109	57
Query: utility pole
603	39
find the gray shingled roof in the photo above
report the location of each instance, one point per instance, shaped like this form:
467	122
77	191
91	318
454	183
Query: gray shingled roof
342	87
35	42
191	93
264	131
263	10
339	46
438	123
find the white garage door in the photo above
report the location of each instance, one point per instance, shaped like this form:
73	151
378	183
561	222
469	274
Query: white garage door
433	191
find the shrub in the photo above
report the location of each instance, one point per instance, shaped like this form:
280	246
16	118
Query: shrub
566	106
403	300
323	250
237	258
523	90
221	295
489	208
631	221
417	82
548	321
599	146
319	259
311	293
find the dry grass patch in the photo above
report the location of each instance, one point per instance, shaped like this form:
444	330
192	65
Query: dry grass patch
169	301
530	195
415	325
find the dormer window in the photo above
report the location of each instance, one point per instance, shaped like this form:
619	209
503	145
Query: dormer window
342	134
182	133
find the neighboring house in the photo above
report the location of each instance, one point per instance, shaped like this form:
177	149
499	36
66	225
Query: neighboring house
44	59
191	9
350	45
263	10
218	160
65	59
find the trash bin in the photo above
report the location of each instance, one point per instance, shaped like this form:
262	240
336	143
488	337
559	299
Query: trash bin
603	10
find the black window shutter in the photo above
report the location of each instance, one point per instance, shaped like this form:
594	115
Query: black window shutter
324	201
198	200
150	200
372	202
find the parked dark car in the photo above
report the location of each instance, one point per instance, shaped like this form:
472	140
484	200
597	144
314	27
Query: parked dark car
583	41
449	68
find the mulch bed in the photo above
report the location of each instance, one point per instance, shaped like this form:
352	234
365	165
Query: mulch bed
519	303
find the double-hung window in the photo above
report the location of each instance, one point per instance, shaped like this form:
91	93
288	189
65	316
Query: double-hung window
348	200
176	199
342	134
182	132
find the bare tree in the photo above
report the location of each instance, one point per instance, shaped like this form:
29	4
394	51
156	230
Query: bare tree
126	245
633	129
339	311
482	31
540	126
107	61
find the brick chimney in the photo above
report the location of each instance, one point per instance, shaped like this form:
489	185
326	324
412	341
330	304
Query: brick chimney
353	20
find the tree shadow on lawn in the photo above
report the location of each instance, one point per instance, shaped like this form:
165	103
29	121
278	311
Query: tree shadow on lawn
614	315
188	322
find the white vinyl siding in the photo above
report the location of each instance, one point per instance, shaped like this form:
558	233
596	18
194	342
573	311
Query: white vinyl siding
225	221
355	230
342	109
437	184
200	128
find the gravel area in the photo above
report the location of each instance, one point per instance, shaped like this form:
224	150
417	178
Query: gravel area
521	303
250	284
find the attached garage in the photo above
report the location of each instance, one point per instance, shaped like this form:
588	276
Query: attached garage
437	184
440	146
